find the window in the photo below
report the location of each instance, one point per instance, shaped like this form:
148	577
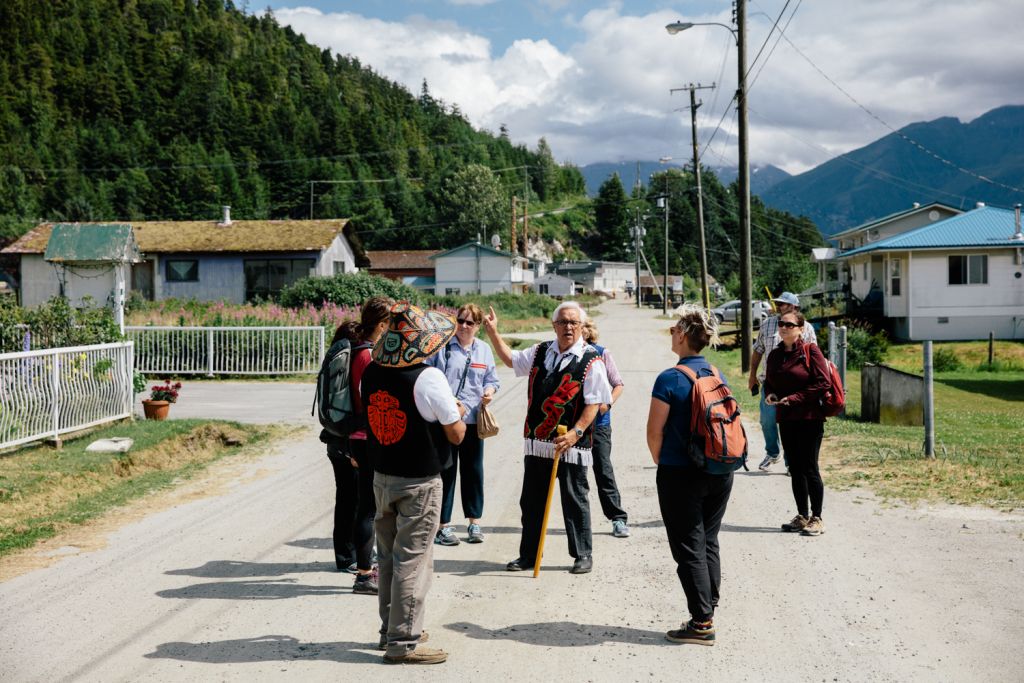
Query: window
183	271
542	289
265	278
865	271
449	291
895	276
968	269
339	267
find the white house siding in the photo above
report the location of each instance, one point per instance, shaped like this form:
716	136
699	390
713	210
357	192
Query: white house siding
338	251
895	305
459	271
39	281
971	310
554	285
612	276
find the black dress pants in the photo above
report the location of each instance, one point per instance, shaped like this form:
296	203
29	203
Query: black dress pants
467	463
573	489
346	497
604	475
692	506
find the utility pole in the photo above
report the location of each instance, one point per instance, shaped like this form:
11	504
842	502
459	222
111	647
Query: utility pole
746	275
664	272
636	252
526	207
514	246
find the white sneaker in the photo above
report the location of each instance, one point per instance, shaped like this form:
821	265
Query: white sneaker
446	536
620	529
768	462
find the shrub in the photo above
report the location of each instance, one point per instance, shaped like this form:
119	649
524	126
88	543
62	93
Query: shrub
945	360
863	344
57	324
347	289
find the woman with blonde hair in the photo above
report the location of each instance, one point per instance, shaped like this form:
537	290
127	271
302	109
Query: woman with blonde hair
468	364
692	501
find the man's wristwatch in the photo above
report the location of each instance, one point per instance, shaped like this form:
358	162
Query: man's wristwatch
579	432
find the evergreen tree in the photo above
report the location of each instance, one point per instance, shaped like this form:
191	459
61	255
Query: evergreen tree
611	218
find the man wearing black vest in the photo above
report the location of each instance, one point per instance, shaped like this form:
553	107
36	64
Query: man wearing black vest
412	416
568	384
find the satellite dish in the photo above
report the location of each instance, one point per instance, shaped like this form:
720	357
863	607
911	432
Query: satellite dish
496	241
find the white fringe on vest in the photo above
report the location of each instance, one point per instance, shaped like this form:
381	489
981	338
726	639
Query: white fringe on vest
546	449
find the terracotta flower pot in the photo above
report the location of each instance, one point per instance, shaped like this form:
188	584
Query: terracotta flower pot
156	410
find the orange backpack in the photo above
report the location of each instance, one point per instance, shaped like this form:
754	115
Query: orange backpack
718	442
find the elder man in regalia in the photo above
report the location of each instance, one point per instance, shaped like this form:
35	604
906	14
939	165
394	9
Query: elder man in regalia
568	384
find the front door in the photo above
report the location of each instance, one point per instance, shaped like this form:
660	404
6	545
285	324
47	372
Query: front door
142	279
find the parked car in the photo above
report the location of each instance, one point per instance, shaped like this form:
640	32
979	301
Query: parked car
730	311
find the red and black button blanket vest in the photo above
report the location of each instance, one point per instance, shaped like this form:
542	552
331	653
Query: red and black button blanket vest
556	398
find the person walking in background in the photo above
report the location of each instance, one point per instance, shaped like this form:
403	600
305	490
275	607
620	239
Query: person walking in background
468	364
767	339
353	478
413	416
796	381
692	501
604	473
568	383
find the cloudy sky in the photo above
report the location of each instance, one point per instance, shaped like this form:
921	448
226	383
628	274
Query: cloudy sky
594	77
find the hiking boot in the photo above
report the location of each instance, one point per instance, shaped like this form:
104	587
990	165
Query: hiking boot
382	644
620	529
421	655
365	584
768	461
446	536
582	565
693	632
815	527
795	524
519	565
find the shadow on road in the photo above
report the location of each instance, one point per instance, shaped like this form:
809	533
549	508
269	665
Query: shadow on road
750	529
265	649
467	567
313	543
250	590
236	569
562	634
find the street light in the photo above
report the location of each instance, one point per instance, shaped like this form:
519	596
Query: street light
746	284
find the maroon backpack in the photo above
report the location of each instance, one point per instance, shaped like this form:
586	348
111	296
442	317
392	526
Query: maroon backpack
835	398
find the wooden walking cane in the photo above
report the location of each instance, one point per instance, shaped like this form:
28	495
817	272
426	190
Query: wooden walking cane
562	429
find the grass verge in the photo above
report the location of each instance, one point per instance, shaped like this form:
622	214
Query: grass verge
44	491
977	435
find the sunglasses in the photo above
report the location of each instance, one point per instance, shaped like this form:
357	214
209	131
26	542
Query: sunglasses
464	321
788	325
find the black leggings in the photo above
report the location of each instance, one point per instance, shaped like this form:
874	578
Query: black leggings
366	508
802	440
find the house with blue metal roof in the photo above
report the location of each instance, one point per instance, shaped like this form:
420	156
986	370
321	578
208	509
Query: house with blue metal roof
957	278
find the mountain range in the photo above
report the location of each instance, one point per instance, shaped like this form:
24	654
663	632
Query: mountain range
944	160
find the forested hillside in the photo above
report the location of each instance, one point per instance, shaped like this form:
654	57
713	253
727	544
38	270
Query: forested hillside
167	109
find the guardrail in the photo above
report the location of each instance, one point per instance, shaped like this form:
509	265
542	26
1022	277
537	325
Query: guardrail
227	350
50	392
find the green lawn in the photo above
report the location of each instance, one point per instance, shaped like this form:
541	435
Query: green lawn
43	490
978	431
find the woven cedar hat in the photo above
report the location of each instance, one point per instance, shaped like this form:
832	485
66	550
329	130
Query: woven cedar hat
413	335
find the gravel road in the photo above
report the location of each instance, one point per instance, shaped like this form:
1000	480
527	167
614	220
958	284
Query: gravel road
231	577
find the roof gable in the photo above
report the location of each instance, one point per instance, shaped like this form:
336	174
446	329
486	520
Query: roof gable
984	227
876	222
91	243
472	245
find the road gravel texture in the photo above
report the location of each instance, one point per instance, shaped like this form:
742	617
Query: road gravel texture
232	577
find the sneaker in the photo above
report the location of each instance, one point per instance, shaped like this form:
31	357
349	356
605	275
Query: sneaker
365	584
446	536
796	524
475	534
350	569
692	632
815	527
382	644
620	529
768	461
421	655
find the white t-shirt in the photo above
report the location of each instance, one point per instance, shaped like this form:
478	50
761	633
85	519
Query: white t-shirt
596	387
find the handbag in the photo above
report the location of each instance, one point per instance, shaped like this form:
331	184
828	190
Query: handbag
486	423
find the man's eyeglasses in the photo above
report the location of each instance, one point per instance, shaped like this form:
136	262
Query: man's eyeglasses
788	325
568	323
464	321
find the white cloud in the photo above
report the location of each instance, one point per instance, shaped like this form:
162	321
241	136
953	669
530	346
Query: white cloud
477	3
606	97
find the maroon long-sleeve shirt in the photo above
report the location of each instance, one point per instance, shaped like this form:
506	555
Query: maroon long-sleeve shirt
788	376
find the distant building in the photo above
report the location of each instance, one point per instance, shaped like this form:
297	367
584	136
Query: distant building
554	285
236	261
474	268
413	267
603	276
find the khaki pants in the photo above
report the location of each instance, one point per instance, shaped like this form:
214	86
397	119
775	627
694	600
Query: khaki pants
408	514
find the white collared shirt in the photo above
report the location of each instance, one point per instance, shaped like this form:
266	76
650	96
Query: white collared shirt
596	387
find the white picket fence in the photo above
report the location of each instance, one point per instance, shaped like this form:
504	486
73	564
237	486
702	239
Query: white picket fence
227	350
50	392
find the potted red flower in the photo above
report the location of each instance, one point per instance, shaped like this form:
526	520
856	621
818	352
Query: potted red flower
161	396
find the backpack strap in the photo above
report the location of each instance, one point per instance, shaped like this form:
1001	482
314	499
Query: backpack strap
693	375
